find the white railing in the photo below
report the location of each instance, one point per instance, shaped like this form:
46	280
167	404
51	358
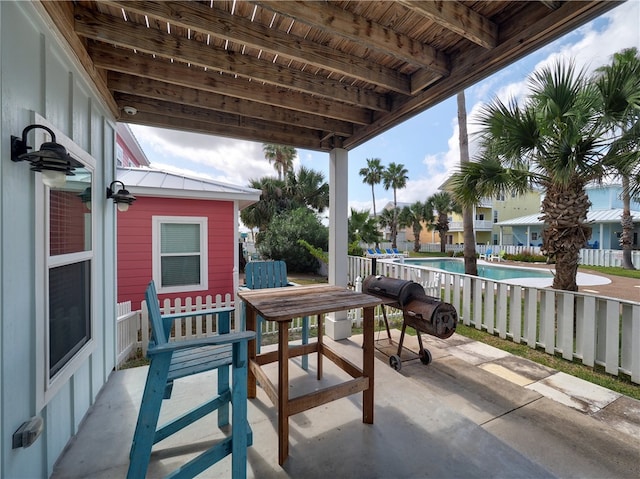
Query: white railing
596	330
588	257
194	326
133	329
127	328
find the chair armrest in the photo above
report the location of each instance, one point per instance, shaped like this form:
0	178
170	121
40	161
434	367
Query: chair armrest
227	338
200	312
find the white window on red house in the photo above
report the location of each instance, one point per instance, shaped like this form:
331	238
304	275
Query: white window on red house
180	259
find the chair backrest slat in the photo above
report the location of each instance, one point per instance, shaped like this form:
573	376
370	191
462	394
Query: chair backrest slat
266	274
158	329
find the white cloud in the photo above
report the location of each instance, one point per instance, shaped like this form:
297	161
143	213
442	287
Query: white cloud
223	159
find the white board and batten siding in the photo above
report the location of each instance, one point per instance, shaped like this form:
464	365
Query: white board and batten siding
39	80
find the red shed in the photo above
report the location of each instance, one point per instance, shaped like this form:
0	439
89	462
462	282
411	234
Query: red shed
181	232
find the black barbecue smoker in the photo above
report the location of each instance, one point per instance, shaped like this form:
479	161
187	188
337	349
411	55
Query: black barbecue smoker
426	314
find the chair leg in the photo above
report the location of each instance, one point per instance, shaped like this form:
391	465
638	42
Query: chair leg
259	323
223	385
305	340
239	424
143	438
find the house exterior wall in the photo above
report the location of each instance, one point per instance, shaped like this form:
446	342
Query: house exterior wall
513	207
607	197
38	78
135	245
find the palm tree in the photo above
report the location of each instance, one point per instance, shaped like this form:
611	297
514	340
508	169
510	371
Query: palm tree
556	140
389	219
272	201
443	203
619	85
413	217
372	175
362	227
281	156
307	187
395	176
469	237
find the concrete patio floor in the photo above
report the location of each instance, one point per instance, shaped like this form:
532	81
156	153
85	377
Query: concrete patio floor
475	411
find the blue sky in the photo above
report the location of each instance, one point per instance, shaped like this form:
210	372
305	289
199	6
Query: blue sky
427	144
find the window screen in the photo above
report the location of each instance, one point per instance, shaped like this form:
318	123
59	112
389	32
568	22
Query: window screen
180	261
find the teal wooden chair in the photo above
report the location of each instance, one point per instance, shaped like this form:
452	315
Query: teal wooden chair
272	274
176	359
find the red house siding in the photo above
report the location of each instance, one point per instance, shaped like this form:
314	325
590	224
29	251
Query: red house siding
135	262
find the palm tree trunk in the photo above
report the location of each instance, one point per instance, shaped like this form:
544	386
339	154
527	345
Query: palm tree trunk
469	237
394	229
627	225
564	212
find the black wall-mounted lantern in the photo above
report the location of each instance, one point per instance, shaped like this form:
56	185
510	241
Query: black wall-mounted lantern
85	197
52	159
121	197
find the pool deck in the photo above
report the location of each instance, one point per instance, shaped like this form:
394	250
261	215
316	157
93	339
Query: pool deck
594	282
590	282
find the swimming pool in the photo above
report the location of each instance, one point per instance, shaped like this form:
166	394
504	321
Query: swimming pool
496	273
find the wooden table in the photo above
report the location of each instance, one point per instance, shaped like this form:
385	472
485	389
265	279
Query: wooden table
284	304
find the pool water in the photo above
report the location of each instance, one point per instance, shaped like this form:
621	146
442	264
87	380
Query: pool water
496	273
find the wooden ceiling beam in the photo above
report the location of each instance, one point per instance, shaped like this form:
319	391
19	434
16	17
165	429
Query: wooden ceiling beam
224	26
134	88
124	61
336	21
226	120
116	31
308	139
458	18
543	26
127	61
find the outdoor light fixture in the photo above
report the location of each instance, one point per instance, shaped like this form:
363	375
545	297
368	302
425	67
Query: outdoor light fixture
121	197
85	197
52	159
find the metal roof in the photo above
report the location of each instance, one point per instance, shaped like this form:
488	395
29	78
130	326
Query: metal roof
595	216
152	182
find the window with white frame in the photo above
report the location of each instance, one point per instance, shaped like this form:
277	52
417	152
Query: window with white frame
180	260
69	269
65	232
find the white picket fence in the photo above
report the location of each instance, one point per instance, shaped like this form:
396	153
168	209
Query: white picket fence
127	328
595	330
133	329
588	257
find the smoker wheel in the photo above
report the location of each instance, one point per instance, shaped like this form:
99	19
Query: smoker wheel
425	356
395	362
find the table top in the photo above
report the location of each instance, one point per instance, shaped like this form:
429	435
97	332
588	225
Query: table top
283	304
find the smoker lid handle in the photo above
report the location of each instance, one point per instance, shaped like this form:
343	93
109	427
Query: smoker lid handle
413	314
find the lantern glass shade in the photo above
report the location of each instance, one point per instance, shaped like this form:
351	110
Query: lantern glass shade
54	179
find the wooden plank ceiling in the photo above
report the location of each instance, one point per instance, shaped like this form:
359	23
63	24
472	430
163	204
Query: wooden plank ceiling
313	75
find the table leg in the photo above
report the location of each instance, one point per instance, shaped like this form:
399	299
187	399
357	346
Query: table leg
367	365
283	391
251	326
319	353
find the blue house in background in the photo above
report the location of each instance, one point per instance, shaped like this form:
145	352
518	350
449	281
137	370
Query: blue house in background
604	217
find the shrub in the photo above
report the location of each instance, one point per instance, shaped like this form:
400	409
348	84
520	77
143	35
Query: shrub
280	241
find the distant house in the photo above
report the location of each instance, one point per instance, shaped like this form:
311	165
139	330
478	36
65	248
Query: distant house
128	151
181	232
604	217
